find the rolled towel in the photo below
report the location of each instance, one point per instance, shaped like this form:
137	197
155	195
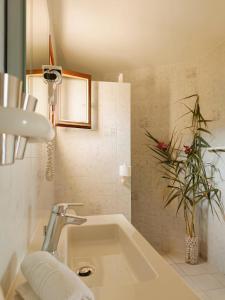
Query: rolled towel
25	292
50	279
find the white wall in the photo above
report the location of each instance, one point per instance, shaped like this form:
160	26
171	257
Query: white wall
37	34
87	161
211	82
39	89
153	106
20	189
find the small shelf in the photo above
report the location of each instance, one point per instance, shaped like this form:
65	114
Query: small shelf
17	122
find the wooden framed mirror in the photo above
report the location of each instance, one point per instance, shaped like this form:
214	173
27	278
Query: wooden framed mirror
74	98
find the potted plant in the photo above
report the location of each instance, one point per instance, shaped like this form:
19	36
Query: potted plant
190	179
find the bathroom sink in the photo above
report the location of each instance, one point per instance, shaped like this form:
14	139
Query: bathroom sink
117	263
113	259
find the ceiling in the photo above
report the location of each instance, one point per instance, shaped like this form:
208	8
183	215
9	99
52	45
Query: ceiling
112	35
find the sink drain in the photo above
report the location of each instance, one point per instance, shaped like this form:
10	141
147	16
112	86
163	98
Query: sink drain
85	271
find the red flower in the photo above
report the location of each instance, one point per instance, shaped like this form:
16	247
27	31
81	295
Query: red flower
187	149
162	146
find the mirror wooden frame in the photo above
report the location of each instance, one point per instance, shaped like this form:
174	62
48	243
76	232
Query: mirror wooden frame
56	117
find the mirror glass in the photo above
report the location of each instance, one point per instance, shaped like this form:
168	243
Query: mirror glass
73	107
74	103
12	37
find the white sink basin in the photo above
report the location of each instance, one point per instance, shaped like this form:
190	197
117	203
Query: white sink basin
124	265
109	251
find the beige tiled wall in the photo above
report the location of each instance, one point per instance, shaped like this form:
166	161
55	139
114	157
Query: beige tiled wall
154	93
87	161
20	205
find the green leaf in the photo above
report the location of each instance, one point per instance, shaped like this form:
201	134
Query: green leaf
179	205
159	152
191	96
204	130
170	199
206	121
149	135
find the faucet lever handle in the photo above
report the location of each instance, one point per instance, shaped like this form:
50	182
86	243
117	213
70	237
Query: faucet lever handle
61	208
71	219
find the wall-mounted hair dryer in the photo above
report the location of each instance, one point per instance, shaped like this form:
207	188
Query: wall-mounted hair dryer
52	77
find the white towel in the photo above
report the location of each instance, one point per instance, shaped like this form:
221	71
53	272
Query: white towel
50	279
26	293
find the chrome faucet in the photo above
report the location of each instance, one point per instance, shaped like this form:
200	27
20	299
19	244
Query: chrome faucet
58	219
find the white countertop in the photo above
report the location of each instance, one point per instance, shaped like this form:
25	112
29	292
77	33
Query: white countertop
167	286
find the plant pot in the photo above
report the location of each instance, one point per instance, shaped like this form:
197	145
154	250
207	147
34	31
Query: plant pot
191	250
